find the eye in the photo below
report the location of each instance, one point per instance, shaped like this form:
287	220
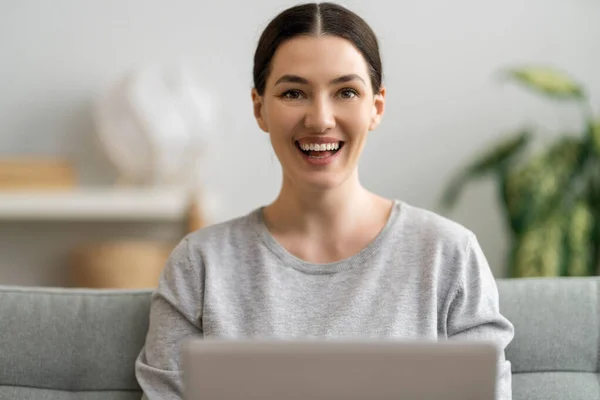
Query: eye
348	93
292	94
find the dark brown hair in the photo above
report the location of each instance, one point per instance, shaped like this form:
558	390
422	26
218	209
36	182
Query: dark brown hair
314	19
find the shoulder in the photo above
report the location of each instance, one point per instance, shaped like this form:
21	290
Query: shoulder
434	229
233	227
446	246
452	249
222	236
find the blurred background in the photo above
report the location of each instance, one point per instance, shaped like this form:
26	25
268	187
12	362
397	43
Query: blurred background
82	204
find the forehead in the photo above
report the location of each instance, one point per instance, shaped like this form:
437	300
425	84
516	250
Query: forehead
318	58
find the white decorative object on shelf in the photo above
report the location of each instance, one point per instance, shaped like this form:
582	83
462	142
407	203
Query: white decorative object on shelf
96	204
153	124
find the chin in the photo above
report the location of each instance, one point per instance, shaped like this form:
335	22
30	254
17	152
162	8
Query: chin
322	183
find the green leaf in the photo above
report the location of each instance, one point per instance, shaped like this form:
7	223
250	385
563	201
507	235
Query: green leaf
454	189
499	154
594	130
560	245
539	186
539	251
548	81
492	160
579	240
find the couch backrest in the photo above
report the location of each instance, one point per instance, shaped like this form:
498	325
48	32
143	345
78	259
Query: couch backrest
554	354
54	342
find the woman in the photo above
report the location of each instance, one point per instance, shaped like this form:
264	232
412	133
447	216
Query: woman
327	258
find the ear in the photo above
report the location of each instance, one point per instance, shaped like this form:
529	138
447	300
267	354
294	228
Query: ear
378	109
257	101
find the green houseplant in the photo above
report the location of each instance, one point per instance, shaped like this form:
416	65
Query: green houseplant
550	198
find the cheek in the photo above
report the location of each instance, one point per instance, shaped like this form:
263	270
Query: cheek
283	119
356	119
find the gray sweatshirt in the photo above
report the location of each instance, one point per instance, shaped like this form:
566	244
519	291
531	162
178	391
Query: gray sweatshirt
422	277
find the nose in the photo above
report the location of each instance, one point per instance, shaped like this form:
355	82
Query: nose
319	115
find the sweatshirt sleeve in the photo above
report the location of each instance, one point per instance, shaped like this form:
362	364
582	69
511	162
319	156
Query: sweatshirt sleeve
474	314
175	315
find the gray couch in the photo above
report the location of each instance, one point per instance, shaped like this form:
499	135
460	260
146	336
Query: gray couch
81	344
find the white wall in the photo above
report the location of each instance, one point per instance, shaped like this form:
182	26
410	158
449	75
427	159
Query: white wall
439	58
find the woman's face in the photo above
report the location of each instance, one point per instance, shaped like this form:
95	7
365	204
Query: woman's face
318	107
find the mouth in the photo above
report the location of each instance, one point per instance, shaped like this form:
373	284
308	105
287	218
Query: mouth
319	150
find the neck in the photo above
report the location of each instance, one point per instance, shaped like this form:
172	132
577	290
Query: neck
326	212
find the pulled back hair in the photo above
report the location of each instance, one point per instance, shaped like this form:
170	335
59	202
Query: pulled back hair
316	19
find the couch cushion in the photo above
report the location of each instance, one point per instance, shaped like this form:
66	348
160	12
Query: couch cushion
556	323
21	393
80	344
555	386
72	340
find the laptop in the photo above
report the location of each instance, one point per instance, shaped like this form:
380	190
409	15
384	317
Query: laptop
338	370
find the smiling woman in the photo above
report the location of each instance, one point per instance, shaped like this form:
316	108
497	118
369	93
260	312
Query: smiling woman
327	258
319	90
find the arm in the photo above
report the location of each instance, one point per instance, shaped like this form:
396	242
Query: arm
175	315
473	312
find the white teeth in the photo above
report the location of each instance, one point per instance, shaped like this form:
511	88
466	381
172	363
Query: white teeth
320	147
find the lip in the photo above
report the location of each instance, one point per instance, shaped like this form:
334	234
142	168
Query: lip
321	161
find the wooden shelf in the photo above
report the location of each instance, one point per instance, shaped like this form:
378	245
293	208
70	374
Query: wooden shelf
95	204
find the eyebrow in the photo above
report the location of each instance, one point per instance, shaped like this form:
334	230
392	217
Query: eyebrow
303	81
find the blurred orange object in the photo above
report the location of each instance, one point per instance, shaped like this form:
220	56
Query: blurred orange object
195	216
23	172
119	265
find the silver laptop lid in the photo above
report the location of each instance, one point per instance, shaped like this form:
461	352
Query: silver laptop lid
336	370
